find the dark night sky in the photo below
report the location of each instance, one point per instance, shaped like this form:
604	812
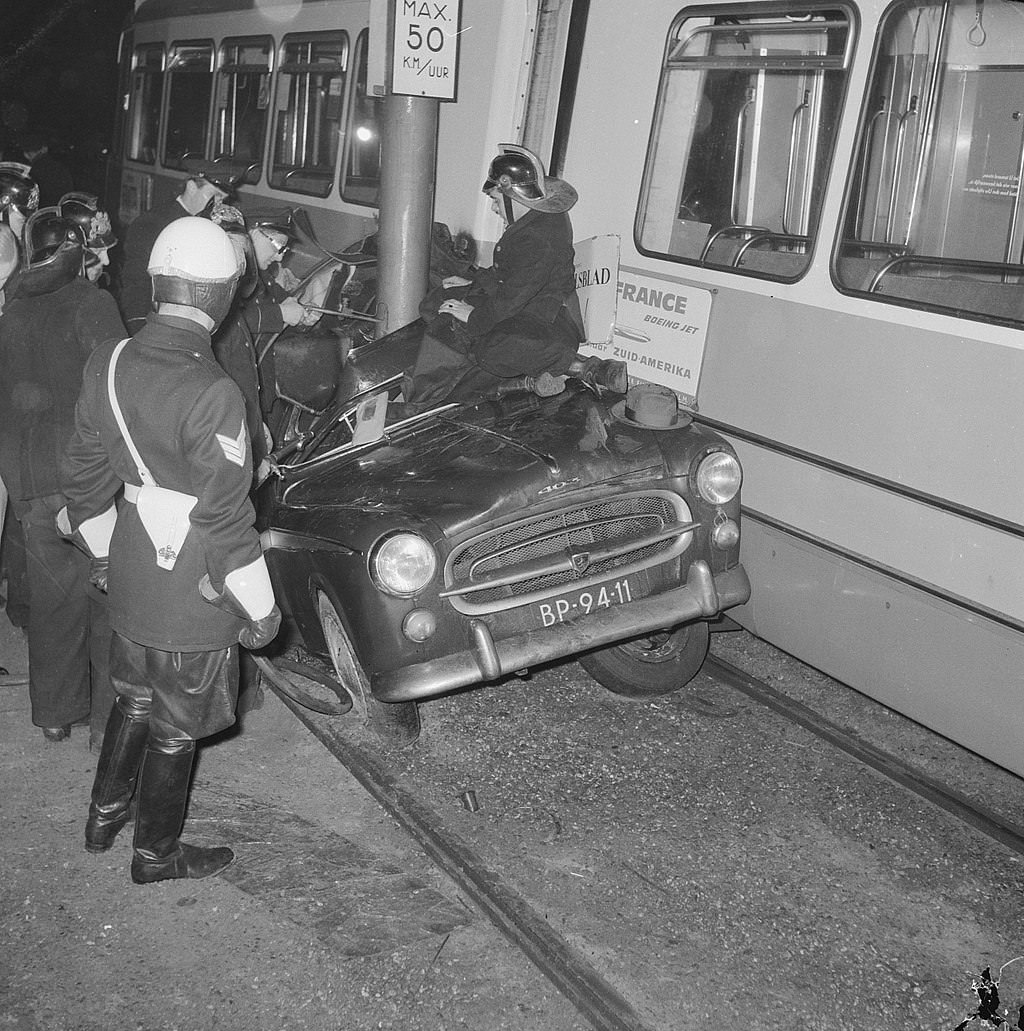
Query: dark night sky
58	73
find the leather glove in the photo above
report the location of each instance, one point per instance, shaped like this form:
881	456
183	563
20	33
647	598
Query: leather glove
99	569
258	633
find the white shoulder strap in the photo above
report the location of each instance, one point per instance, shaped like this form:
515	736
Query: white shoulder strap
144	473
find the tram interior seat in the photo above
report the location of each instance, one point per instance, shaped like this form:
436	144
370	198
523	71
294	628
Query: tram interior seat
758	250
315	181
778	263
962	293
973	293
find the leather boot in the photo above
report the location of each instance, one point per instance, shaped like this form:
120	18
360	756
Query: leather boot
123	743
162	795
600	374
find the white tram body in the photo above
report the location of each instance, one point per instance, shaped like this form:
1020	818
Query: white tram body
820	219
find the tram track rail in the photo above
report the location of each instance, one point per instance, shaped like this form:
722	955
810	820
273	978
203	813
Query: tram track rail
596	998
592	995
957	804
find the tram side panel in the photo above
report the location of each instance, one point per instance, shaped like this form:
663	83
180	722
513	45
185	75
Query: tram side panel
493	77
882	484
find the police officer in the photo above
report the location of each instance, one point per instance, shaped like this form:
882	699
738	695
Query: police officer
174	655
84	210
198	196
261	307
48	330
19	195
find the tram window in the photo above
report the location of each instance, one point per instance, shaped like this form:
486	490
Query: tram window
189	85
746	119
935	216
242	103
146	93
360	165
307	127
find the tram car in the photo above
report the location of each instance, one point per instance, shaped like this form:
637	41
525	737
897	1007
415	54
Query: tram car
820	217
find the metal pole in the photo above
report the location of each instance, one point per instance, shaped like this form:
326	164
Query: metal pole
408	161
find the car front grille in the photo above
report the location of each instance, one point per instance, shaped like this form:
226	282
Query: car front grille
544	555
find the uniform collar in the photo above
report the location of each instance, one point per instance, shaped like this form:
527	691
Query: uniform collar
172	331
523	221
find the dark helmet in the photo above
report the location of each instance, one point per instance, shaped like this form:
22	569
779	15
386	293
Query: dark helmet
193	263
54	251
84	210
518	173
18	189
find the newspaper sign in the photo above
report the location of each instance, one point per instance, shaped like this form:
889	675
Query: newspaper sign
426	48
597	275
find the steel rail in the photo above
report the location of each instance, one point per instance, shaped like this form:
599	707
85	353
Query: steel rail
958	805
593	996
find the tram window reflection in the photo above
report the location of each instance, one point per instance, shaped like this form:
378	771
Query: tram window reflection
744	132
242	101
189	86
146	97
935	211
307	127
360	176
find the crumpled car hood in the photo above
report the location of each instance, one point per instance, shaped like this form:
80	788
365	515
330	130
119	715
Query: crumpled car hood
488	461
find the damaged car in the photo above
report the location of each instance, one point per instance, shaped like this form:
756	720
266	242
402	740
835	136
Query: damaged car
419	553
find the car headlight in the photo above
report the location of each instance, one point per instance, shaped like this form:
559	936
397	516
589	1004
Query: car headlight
718	477
403	564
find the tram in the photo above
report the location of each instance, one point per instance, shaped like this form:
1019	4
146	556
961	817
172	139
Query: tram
820	227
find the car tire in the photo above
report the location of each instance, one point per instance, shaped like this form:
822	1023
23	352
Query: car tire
397	724
653	665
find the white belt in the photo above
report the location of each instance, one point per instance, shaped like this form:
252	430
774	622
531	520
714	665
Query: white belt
131	493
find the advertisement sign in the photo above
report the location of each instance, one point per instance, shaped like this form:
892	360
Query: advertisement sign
426	50
661	326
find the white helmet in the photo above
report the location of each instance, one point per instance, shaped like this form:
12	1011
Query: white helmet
193	263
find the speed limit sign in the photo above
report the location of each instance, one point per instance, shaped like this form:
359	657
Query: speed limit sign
426	53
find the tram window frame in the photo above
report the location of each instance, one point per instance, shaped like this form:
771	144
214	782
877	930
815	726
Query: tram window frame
184	72
226	88
362	190
933	251
143	121
284	135
764	241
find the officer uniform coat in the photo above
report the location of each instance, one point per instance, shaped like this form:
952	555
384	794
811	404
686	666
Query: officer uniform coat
234	347
187	420
525	320
45	341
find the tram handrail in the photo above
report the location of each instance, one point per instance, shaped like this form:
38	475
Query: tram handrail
768	235
734	229
794	134
965	264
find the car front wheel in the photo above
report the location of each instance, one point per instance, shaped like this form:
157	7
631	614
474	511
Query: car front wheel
396	724
655	664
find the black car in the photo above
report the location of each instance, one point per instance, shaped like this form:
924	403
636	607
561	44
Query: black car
449	548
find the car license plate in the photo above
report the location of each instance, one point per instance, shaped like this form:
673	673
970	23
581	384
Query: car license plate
591	599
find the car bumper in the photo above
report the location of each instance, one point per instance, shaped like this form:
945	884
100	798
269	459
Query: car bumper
703	597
